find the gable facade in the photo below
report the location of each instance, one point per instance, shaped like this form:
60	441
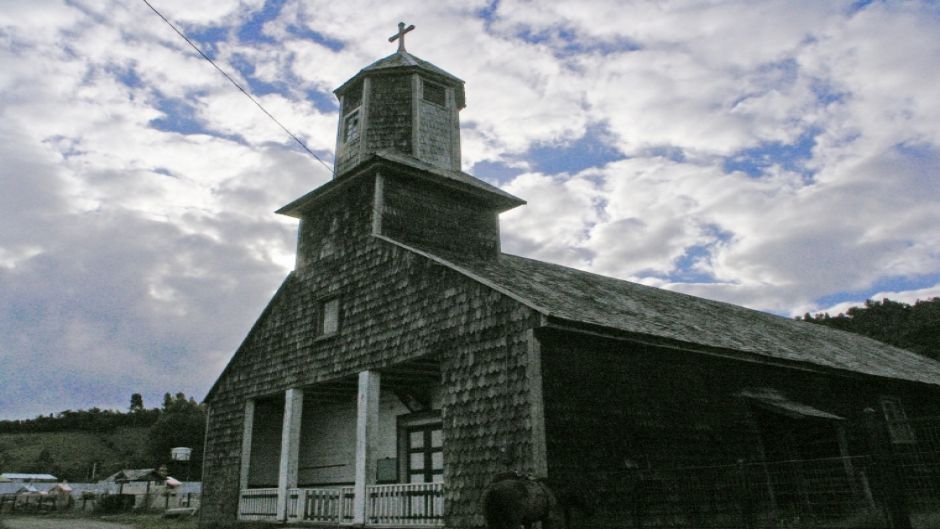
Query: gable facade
399	313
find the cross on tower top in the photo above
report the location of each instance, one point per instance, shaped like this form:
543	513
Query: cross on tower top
400	36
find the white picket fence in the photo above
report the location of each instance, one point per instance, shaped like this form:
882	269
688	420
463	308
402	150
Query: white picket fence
333	505
406	504
257	504
400	504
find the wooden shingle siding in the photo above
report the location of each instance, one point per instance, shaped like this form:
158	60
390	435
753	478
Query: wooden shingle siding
395	305
438	219
389	114
436	137
487	428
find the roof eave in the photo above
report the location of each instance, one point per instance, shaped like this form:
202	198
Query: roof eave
499	199
587	328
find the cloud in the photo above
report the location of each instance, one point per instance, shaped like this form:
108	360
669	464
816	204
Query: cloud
781	155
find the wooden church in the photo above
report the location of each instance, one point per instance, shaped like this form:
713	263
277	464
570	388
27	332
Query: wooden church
406	360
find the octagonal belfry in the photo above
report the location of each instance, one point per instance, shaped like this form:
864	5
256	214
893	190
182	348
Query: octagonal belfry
403	104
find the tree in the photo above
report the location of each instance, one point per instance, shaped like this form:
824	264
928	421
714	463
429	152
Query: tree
913	327
182	423
137	402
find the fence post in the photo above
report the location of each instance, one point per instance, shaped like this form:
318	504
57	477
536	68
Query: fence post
888	485
744	497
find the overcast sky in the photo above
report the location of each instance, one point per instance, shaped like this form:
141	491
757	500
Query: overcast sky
779	155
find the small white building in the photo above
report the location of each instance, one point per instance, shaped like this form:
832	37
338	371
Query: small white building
16	477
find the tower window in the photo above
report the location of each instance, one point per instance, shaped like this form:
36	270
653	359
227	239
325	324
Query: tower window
351	126
434	93
329	316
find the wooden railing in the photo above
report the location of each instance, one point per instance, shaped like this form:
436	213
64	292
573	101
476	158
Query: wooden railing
400	504
406	504
320	505
257	504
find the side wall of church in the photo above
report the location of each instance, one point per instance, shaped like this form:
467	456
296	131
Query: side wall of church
395	305
640	413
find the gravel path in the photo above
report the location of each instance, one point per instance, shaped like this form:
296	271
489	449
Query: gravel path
54	523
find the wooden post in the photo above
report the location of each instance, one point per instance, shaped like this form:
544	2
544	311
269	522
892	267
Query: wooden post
378	204
886	481
247	433
536	406
367	425
744	496
290	449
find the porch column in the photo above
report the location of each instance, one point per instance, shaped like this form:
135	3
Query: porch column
247	432
290	448
367	426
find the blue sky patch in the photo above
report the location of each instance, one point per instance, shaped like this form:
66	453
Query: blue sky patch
208	35
590	150
323	101
756	161
255	86
917	151
887	284
685	271
179	116
319	38
128	77
250	31
498	172
488	13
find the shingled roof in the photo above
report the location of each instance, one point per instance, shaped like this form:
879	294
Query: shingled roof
582	297
404	62
405	164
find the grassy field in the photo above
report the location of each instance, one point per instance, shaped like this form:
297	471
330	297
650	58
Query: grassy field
138	521
74	453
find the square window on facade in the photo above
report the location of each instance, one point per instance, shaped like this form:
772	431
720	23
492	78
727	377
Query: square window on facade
329	316
351	126
899	427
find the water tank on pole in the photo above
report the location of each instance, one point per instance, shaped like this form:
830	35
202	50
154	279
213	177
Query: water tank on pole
181	453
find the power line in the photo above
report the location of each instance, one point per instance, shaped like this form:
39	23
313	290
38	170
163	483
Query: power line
234	82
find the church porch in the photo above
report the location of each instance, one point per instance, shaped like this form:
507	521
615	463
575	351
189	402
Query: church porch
364	450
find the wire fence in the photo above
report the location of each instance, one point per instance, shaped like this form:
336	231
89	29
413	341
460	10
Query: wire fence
895	485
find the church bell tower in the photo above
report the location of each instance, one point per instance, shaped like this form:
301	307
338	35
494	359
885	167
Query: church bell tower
397	171
402	104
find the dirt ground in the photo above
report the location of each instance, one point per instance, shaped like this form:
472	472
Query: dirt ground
57	523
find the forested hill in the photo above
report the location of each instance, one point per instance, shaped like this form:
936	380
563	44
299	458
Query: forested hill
913	327
74	445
